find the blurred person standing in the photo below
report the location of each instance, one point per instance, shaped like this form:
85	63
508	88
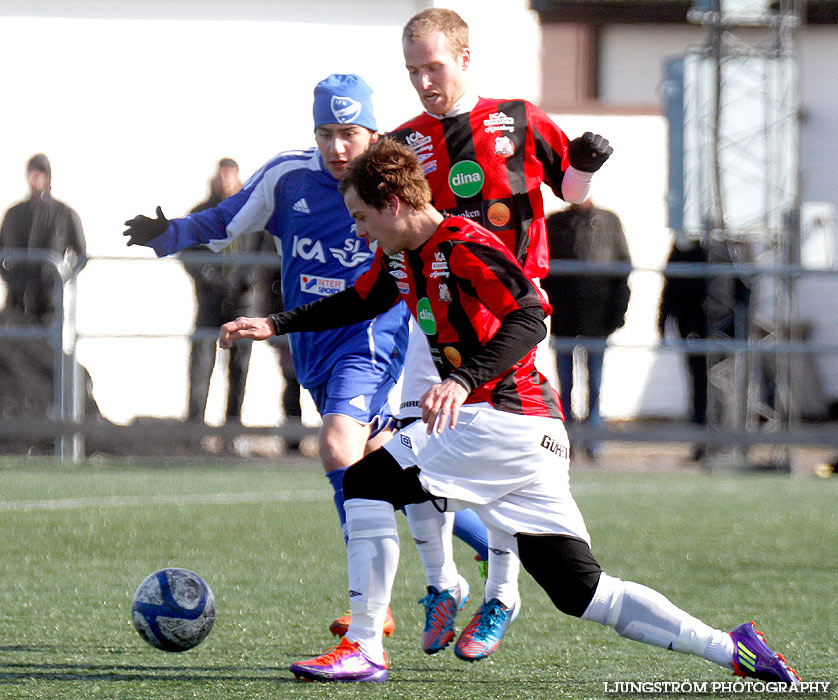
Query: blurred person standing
222	291
38	223
586	306
684	300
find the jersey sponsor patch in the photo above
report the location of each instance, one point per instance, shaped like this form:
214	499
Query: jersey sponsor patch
425	316
499	121
466	178
404	287
301	206
353	253
322	286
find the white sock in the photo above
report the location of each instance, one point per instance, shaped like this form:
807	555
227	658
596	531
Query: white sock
504	566
373	557
644	615
432	533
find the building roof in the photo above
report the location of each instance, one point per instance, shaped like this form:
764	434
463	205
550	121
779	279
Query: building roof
650	11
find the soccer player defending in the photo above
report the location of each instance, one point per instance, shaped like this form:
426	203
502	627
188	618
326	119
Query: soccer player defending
491	439
351	370
485	159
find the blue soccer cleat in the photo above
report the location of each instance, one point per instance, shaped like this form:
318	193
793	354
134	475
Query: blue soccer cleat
753	658
441	607
485	631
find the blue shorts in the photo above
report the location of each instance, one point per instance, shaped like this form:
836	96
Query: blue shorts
356	389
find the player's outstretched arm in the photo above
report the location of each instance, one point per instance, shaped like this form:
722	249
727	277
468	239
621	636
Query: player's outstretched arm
441	404
141	229
245	328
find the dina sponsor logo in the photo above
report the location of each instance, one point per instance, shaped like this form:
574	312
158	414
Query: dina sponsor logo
466	178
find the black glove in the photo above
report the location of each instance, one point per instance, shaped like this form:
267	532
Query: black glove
588	152
141	229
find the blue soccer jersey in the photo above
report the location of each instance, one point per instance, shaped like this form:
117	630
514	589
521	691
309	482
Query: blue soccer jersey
297	201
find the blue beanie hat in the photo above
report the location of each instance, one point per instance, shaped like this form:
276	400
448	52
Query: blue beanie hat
343	99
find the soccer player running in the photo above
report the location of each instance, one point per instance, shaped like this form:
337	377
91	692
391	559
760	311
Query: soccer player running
491	439
349	371
485	159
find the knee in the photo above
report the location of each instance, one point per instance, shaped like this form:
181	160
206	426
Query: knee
373	477
564	567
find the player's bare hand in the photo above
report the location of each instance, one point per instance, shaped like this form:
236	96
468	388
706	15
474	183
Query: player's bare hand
441	405
245	328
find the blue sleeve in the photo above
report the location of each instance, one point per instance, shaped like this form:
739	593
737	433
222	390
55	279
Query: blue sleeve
247	211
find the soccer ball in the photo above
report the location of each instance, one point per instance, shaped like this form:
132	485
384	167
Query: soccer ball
173	609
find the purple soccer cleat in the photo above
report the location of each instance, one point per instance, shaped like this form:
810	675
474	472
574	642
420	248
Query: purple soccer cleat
441	607
753	658
343	663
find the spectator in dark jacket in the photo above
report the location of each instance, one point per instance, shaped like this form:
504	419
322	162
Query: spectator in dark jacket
684	299
586	306
38	223
222	292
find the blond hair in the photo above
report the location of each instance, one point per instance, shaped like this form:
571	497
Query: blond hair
438	19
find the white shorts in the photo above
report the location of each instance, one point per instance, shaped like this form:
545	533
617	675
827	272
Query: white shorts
512	470
419	374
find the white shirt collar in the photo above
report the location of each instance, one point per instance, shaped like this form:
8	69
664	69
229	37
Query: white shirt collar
465	104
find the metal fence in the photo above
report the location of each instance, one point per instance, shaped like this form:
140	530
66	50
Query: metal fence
68	426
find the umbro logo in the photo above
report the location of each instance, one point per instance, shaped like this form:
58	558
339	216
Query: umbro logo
354	594
301	206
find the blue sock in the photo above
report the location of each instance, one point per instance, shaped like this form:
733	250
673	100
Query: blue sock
335	478
471	530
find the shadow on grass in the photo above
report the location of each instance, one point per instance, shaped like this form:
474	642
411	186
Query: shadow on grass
16	673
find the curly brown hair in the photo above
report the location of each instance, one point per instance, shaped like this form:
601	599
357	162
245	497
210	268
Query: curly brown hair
438	19
387	168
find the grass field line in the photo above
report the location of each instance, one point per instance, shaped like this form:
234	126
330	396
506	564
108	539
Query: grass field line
173	500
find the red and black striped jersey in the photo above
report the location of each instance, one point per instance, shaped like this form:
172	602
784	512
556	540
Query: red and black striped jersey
488	164
459	286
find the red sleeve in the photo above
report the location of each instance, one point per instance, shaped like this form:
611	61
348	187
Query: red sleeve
550	146
496	279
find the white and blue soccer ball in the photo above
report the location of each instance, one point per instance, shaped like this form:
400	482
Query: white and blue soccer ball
173	609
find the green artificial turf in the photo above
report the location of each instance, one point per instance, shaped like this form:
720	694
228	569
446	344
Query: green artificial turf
78	540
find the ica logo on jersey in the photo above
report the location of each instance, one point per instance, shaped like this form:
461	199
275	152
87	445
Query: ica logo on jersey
352	254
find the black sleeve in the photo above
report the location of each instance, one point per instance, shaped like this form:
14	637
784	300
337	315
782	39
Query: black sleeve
337	311
520	331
